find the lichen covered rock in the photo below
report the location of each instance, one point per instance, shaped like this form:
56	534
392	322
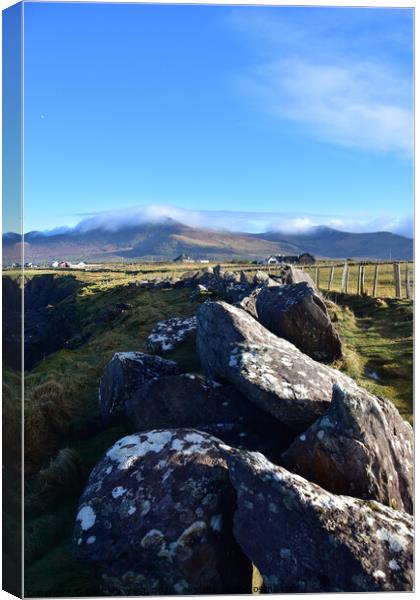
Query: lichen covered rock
268	370
361	447
168	334
296	313
190	400
124	374
304	539
156	517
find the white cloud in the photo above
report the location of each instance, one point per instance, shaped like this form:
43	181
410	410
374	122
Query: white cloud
339	76
359	105
251	222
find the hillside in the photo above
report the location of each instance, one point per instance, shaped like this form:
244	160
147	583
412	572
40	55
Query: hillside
165	241
146	242
330	243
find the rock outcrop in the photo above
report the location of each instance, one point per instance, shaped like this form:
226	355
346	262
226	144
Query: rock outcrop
168	334
124	374
268	370
304	539
360	447
298	314
156	518
190	400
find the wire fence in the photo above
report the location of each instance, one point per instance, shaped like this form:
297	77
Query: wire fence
384	279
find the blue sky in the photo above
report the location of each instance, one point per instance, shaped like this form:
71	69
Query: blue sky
302	113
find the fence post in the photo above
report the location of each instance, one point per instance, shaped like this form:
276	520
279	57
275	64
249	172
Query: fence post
331	278
359	280
345	281
397	279
317	276
375	281
407	281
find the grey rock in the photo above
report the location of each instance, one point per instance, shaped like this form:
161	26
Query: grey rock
261	278
360	447
298	314
304	539
268	370
124	374
168	334
190	400
291	275
155	518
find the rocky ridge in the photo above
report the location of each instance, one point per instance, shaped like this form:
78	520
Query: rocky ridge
273	458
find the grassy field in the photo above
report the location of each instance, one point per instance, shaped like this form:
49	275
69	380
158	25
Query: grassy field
64	437
123	273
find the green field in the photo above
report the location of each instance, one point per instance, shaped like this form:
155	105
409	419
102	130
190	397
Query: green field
61	403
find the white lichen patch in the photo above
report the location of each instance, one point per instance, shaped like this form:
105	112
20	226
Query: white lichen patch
166	335
132	447
378	574
194	438
393	565
397	543
118	491
86	517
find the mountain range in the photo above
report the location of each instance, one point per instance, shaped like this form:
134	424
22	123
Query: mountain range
166	240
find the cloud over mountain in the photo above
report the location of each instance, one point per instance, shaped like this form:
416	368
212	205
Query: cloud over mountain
251	222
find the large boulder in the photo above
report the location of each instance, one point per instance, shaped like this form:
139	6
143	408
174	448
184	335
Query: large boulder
304	539
360	447
124	374
156	515
268	370
295	312
190	400
292	275
168	334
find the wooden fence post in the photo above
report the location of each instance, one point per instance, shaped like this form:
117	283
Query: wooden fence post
346	274
331	278
375	281
343	277
317	276
359	280
397	279
407	281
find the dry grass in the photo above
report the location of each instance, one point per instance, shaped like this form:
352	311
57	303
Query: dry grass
48	409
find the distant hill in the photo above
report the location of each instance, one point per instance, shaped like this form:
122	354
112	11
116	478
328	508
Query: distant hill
165	241
331	243
162	241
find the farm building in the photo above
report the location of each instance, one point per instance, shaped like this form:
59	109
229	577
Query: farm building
303	259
